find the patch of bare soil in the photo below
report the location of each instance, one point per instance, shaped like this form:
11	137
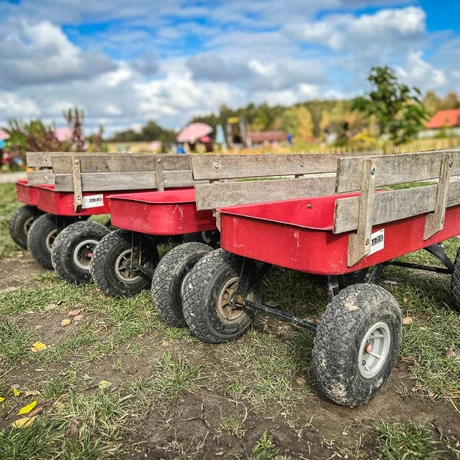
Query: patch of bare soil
15	269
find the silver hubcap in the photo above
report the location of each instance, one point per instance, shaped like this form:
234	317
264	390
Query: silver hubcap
50	239
227	308
27	224
374	350
83	254
124	266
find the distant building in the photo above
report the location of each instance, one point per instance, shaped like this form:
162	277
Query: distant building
266	137
447	120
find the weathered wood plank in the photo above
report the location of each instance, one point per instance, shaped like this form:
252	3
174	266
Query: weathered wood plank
393	205
120	163
137	180
212	196
435	222
359	243
222	166
44	159
395	169
44	176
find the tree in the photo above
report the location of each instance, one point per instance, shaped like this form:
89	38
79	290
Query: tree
297	121
35	136
432	102
450	101
398	109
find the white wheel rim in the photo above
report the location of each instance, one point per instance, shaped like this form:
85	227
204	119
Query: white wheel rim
50	239
83	253
227	308
123	267
27	224
374	350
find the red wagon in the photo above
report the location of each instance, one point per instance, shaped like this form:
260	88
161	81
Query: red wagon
80	185
338	235
170	213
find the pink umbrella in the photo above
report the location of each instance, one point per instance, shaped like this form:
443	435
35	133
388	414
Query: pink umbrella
194	131
155	145
3	135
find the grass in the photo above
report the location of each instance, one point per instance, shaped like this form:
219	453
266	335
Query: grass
158	372
410	441
8	205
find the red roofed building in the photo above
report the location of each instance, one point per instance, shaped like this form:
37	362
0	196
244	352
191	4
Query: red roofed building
263	137
448	120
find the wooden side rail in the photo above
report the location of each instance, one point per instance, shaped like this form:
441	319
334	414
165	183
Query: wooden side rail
42	164
109	172
311	175
359	214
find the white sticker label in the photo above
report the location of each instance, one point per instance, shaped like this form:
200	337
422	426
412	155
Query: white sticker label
92	201
377	241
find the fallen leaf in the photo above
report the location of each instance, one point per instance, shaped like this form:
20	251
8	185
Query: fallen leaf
73	430
31	393
23	422
300	381
405	300
38	346
16	392
78	318
73	313
27	409
2	399
66	322
407	320
36	411
103	384
59	405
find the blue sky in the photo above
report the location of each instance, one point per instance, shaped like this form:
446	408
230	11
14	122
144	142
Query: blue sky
128	62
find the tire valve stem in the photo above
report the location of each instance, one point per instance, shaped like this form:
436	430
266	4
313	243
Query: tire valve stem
364	362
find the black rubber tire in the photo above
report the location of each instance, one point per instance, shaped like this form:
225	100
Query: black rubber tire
103	264
20	223
339	336
201	295
211	238
168	280
43	228
352	278
455	283
67	243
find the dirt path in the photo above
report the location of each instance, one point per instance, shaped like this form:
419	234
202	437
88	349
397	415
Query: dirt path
191	425
16	269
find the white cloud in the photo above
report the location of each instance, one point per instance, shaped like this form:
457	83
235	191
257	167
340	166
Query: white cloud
14	106
383	28
420	73
39	52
